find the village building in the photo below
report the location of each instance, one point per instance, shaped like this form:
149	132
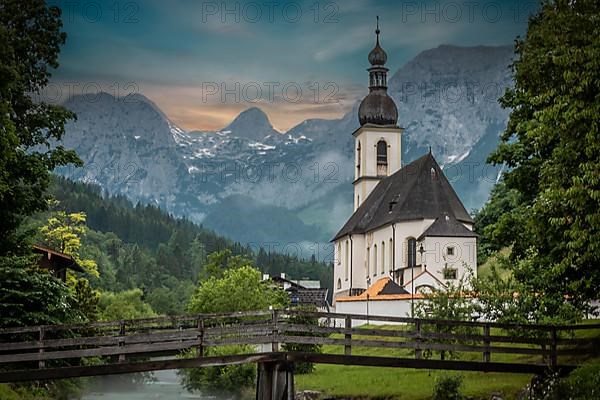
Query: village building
56	262
409	233
302	292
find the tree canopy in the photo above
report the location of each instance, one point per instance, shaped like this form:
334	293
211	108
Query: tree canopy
240	289
552	148
30	40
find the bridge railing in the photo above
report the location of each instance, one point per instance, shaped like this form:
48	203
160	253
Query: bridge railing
499	346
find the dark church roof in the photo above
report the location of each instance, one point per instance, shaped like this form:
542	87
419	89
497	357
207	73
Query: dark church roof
447	226
419	190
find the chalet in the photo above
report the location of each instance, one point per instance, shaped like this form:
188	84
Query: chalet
302	292
56	262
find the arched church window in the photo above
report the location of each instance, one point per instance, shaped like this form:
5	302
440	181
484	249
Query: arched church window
375	260
382	258
358	159
382	158
391	261
339	253
367	261
346	263
411	257
339	284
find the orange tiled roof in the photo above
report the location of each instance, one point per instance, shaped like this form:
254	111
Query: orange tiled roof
373	293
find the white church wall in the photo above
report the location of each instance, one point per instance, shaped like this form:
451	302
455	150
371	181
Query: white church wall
404	231
368	137
424	282
358	262
383	308
349	268
434	259
463	257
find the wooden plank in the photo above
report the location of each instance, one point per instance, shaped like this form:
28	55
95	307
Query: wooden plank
41	363
348	336
407	320
411	345
237	340
239	330
154	337
99	352
129	367
486	343
285	327
418	350
375	361
274	331
190	319
134	322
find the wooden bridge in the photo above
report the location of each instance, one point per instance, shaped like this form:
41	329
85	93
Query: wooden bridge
103	348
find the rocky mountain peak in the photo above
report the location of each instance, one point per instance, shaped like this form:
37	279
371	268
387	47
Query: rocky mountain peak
251	124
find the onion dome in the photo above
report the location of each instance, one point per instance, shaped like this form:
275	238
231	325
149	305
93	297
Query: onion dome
377	56
377	107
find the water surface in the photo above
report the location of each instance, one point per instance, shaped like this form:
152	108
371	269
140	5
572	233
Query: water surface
166	386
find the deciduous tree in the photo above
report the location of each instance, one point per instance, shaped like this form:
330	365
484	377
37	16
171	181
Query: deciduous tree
30	40
552	148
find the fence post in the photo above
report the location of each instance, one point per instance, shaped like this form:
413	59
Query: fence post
553	349
122	339
418	351
348	337
275	331
200	351
42	363
486	343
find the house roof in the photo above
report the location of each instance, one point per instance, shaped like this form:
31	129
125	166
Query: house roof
447	226
301	284
318	297
420	276
65	260
383	289
420	190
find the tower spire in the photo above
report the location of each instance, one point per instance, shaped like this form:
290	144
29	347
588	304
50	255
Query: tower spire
378	108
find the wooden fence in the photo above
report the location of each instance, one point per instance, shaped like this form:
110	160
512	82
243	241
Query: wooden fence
58	351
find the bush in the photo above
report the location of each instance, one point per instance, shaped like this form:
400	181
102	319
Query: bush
227	381
584	382
447	387
581	384
303	367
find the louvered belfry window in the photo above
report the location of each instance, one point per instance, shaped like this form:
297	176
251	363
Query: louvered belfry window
382	158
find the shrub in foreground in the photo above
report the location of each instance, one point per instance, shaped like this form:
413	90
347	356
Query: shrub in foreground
447	387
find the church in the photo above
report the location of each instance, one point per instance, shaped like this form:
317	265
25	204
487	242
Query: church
409	233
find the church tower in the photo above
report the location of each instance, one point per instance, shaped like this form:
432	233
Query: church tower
378	140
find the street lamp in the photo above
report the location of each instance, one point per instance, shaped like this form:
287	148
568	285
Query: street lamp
412	282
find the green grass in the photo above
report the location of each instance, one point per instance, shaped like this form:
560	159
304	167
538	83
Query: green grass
413	384
400	383
484	270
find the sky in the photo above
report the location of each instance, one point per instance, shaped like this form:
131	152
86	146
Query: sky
203	62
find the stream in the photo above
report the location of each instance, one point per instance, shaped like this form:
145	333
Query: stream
165	386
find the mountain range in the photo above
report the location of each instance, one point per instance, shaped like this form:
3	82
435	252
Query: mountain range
291	191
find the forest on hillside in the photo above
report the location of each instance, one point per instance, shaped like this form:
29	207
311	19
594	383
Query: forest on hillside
142	247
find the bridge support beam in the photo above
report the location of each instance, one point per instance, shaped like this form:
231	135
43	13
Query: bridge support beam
275	381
